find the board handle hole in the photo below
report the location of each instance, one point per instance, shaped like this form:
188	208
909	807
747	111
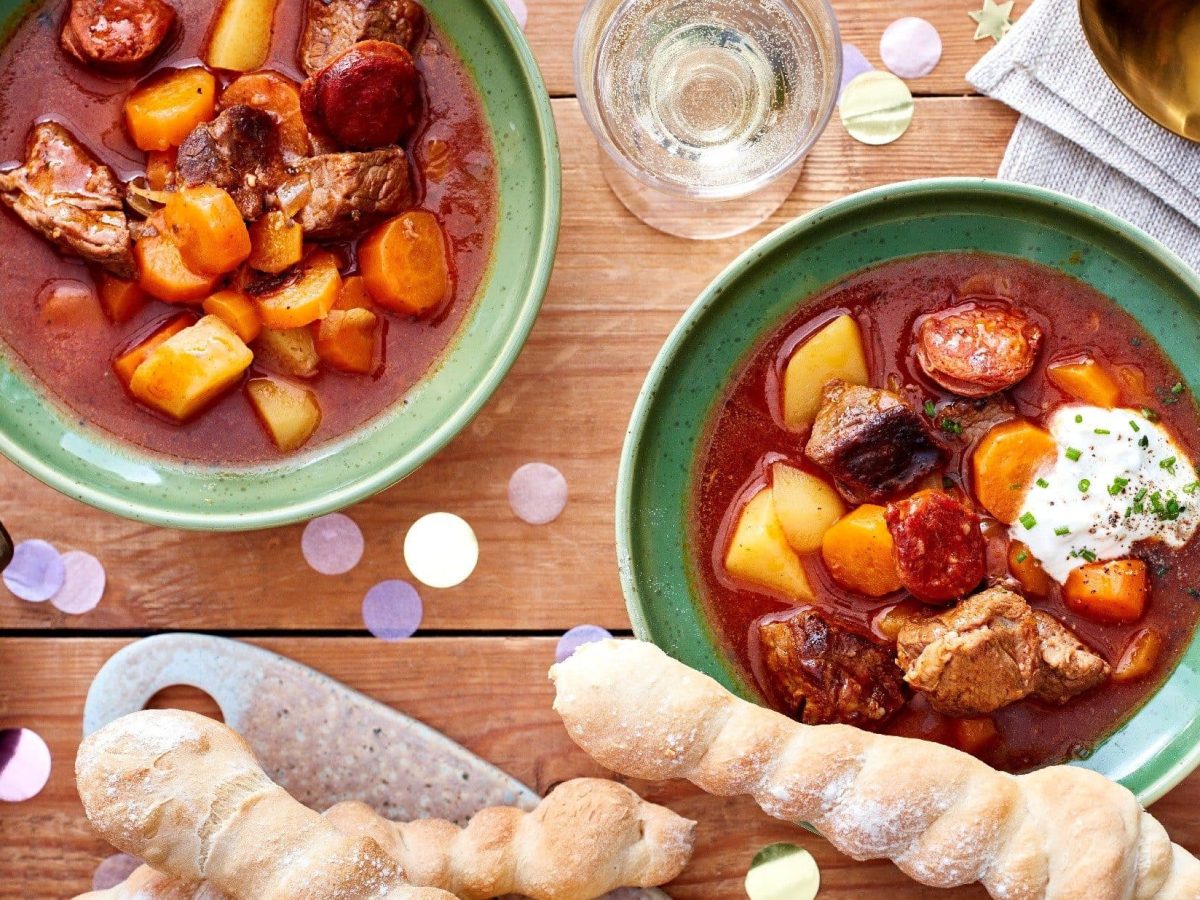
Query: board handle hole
185	696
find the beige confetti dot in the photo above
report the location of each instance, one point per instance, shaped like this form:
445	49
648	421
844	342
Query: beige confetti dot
441	550
876	108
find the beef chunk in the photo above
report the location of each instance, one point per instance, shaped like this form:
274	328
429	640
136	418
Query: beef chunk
238	151
332	27
871	442
72	198
1069	667
353	190
992	650
119	34
970	420
977	349
828	674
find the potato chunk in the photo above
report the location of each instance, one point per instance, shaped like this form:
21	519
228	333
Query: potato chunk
290	351
192	368
759	551
807	506
836	351
290	413
241	37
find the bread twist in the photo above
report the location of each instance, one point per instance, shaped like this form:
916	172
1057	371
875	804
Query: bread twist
185	794
943	817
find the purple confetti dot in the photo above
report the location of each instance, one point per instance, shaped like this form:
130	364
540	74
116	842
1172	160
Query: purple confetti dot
911	47
853	65
113	870
36	572
333	544
83	584
576	638
24	764
392	610
537	493
519	11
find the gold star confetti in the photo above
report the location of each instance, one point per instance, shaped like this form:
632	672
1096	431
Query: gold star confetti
993	20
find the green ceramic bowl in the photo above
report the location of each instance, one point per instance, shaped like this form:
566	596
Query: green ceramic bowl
43	438
1159	745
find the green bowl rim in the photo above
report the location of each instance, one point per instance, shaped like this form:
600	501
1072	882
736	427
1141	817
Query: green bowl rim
1172	774
400	467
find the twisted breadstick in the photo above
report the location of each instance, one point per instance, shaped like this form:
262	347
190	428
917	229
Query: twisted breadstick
589	836
943	817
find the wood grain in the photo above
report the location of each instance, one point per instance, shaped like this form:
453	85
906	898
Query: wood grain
491	694
551	31
618	288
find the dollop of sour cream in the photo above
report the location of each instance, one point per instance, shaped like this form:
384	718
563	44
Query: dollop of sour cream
1118	479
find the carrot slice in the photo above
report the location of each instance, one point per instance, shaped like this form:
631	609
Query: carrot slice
354	294
126	364
160	169
1114	591
276	243
404	263
165	275
1006	463
121	300
162	112
346	339
237	311
304	299
1086	380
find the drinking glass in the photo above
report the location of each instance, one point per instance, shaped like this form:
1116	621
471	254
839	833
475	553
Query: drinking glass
705	109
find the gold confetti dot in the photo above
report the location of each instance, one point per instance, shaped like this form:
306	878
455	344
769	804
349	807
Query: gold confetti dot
876	108
441	550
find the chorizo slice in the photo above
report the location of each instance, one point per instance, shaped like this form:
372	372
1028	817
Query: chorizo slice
939	546
118	34
976	349
366	98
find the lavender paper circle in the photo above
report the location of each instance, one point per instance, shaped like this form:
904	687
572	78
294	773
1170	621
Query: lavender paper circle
911	47
83	584
853	65
333	544
24	764
576	638
36	572
537	493
392	610
113	870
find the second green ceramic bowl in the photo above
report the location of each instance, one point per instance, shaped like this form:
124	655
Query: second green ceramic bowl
1160	744
45	439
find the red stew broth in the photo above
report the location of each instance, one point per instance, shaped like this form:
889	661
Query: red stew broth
48	312
744	436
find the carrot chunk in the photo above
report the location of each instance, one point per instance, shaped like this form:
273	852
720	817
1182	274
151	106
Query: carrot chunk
160	169
404	263
208	229
1139	657
276	243
1027	570
860	553
165	275
346	339
120	300
162	112
1086	380
1114	591
304	298
126	364
1006	463
354	294
237	311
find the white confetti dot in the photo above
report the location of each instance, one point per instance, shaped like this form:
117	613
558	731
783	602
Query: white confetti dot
83	583
911	47
537	493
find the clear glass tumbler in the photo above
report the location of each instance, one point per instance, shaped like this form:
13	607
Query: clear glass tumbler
706	108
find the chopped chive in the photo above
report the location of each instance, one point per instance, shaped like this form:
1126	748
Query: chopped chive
1118	485
930	409
1191	488
1028	521
1149	415
1042	483
1015	486
1073	454
1084	485
1162	570
1193	593
1061	530
1089	555
947	483
1103	431
1078	418
952	427
1145	441
1021	557
1141	495
1134	426
1177	387
1168	464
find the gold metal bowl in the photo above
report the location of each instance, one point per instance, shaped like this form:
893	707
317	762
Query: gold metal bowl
1151	51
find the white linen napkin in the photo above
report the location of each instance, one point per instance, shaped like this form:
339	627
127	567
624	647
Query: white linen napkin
1079	135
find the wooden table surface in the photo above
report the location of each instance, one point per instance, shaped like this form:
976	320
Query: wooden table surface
477	669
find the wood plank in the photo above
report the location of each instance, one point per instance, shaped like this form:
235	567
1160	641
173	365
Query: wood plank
490	694
617	290
551	33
